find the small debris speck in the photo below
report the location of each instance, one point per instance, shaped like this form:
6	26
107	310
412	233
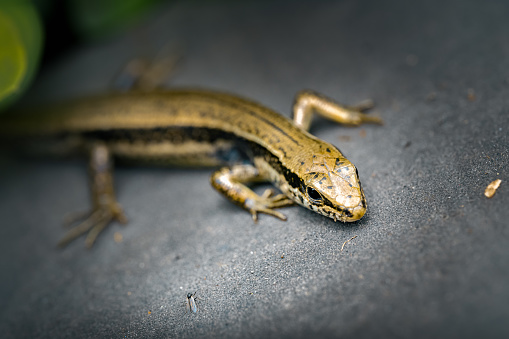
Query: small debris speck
490	191
412	60
432	96
117	237
470	94
342	247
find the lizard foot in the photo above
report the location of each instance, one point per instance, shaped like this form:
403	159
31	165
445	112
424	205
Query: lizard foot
266	203
94	223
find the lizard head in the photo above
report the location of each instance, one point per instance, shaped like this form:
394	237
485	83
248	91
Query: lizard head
331	186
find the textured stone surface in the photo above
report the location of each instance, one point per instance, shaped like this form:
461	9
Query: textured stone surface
430	257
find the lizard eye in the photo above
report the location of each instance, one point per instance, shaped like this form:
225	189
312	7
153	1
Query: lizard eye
313	195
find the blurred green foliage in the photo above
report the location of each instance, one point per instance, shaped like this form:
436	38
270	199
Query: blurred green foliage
94	19
21	32
20	48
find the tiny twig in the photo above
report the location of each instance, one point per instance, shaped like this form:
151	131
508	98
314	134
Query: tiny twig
352	238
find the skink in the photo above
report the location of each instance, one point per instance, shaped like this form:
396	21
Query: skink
203	128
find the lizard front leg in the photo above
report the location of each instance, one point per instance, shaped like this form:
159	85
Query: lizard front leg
105	208
230	181
309	102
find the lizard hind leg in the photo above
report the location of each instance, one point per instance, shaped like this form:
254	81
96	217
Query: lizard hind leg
149	74
105	208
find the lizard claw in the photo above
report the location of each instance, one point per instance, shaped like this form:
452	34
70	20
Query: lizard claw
266	203
95	222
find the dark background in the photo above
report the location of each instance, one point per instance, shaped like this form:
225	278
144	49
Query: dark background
430	258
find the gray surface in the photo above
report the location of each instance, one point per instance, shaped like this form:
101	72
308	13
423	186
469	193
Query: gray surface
430	258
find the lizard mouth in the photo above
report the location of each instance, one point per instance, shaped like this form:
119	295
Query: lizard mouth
347	214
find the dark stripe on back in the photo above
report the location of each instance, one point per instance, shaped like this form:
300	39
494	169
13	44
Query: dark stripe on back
175	135
245	149
291	178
